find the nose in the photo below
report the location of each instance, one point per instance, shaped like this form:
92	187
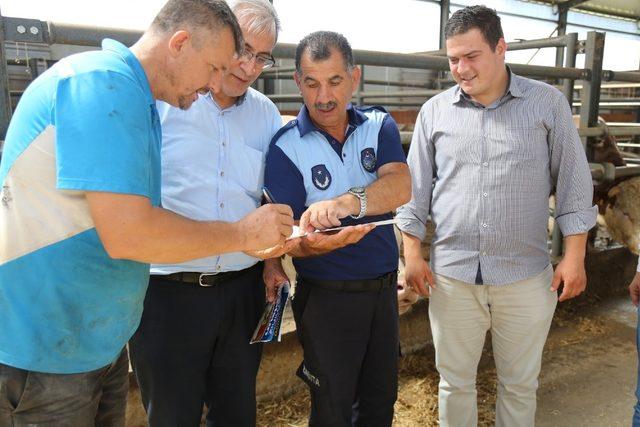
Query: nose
463	65
324	94
249	67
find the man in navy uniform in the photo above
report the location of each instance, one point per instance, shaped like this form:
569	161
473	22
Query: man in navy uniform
340	165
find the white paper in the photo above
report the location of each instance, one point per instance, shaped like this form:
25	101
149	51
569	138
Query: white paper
296	230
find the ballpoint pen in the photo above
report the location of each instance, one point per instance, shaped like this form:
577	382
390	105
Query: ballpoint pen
267	195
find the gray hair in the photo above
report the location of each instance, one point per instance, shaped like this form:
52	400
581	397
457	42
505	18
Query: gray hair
259	15
319	46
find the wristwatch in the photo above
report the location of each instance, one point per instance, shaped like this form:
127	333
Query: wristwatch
361	194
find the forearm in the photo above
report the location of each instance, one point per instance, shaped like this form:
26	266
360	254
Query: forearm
385	194
575	247
389	192
161	236
571	175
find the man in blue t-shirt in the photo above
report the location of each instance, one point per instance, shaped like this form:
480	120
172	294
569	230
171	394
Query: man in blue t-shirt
79	214
340	165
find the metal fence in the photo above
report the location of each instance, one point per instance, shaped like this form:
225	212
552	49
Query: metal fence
20	30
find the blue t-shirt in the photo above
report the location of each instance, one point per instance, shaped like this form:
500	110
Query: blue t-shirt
87	124
307	165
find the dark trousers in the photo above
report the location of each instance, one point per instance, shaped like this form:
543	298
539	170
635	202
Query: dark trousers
350	342
95	398
192	348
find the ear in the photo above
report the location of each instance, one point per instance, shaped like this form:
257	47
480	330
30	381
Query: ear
296	77
356	74
178	41
501	47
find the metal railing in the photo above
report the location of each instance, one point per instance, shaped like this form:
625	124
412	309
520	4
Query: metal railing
591	77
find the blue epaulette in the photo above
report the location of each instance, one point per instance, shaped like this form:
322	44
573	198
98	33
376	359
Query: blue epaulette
283	130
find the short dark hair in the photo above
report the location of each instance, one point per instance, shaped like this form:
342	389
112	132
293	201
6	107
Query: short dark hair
481	17
319	45
194	15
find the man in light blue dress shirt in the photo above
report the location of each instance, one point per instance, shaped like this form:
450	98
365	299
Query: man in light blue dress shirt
485	156
192	347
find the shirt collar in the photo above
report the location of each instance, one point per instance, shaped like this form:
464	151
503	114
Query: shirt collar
514	84
129	58
239	101
305	125
513	89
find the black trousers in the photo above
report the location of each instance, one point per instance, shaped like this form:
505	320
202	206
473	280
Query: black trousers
192	348
350	342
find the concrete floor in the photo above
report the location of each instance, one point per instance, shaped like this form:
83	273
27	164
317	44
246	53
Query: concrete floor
589	379
588	374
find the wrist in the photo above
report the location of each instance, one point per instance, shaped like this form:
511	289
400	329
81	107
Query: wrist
350	204
575	256
413	256
359	193
239	235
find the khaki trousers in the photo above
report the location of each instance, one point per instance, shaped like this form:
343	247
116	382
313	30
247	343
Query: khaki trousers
518	316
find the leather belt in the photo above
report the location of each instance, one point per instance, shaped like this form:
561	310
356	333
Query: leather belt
366	285
202	279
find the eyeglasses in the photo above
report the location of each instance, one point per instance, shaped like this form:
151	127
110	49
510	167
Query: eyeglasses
263	60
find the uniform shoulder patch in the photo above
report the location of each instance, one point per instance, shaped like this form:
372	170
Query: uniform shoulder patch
368	159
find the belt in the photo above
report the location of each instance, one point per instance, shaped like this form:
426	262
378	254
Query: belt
366	285
202	279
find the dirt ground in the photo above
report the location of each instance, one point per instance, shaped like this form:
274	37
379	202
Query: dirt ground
588	376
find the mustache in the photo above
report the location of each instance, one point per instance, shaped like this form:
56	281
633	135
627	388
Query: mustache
325	106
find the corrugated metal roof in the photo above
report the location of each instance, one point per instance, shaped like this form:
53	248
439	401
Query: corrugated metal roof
621	8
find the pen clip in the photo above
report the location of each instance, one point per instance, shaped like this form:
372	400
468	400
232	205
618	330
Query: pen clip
267	195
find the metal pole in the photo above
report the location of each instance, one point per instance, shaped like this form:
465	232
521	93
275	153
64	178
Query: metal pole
423	93
570	62
590	96
636	138
445	9
622	76
53	33
5	100
562	30
86	36
360	89
557	243
559	41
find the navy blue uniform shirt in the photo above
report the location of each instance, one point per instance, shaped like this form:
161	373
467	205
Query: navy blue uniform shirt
307	165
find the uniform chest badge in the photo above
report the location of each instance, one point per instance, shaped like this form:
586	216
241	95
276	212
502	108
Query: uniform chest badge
368	159
320	177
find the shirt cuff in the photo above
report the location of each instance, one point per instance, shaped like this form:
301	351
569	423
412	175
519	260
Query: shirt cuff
638	268
410	225
578	222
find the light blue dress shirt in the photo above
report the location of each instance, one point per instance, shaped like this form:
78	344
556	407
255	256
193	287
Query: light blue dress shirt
213	165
